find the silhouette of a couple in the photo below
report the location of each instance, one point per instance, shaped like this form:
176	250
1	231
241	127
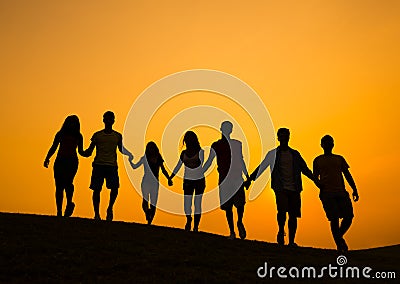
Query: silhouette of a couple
69	139
328	170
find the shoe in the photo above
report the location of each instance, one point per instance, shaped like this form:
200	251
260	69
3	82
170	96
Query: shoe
59	214
195	229
293	245
110	215
242	230
232	236
280	238
342	246
97	217
69	209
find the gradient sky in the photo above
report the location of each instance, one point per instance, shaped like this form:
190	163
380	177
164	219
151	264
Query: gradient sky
319	66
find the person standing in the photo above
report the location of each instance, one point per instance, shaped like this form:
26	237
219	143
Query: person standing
105	166
329	170
286	165
231	168
152	162
67	140
194	182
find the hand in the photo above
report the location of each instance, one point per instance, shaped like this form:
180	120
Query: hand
170	183
46	163
246	184
355	196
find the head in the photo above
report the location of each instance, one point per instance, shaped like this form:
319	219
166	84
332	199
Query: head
191	141
283	136
327	143
226	128
152	150
71	125
108	118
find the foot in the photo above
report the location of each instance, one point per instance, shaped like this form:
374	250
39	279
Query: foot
242	230
59	214
342	246
293	245
188	225
110	214
69	209
97	217
232	236
280	238
195	229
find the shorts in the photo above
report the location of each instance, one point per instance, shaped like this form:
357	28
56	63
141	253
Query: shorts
337	205
288	201
231	193
196	187
65	169
101	172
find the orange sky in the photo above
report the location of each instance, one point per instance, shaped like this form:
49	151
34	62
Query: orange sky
319	67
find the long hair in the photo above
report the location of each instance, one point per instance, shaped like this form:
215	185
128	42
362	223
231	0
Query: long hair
152	152
191	141
71	126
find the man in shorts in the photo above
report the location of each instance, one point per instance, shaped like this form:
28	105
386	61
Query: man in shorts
329	170
286	165
231	167
105	166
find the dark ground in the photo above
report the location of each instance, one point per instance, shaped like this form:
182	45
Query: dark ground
45	249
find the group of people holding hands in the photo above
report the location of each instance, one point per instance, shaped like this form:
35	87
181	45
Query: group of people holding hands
286	165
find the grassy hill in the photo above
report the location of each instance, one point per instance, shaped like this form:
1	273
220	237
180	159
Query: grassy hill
45	249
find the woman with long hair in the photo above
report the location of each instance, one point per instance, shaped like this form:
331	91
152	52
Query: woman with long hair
67	140
152	162
194	182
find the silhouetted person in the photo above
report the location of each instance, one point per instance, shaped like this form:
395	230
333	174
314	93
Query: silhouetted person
231	167
286	183
105	166
152	162
194	182
69	138
329	170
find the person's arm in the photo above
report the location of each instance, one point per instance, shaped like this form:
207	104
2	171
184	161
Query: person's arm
351	182
305	169
164	171
88	152
210	159
80	146
137	165
316	174
52	150
177	168
267	162
123	150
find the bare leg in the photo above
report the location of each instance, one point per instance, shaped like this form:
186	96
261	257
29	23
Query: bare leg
96	203
292	224
59	200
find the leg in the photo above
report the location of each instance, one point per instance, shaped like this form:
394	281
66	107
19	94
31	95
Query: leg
241	228
188	211
145	207
281	218
292	224
96	203
113	197
197	210
59	199
336	232
69	192
229	218
153	202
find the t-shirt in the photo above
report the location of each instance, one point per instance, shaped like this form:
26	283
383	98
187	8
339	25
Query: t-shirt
229	158
330	170
68	144
286	170
193	169
152	166
106	147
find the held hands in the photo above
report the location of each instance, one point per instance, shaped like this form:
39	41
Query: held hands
46	163
246	184
170	183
